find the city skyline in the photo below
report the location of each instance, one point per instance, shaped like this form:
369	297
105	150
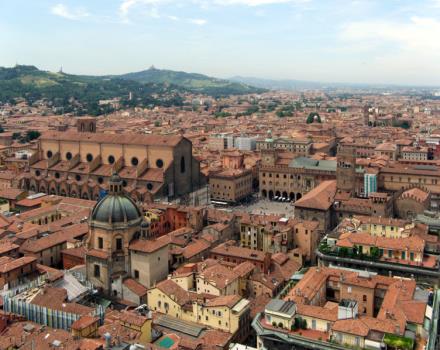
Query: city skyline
327	41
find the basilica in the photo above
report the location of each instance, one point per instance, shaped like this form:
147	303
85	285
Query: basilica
120	246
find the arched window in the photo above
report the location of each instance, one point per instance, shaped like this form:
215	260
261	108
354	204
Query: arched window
182	164
89	157
68	156
111	159
149	186
49	154
134	161
159	163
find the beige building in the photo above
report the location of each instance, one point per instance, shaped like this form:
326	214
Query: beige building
80	164
230	185
229	313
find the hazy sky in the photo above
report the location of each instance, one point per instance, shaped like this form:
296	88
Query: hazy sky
383	41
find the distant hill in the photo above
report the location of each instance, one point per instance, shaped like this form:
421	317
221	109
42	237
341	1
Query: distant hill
192	81
292	84
80	94
272	84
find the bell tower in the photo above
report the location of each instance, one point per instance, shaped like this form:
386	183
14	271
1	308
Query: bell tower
346	169
366	115
86	124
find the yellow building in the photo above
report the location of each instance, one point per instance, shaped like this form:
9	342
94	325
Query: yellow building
230	313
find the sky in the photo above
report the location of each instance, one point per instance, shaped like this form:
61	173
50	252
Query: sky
360	41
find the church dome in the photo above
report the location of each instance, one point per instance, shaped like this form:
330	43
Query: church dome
116	208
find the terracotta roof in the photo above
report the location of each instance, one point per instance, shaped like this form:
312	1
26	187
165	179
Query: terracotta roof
13	264
149	246
321	197
132	318
11	193
84	322
225	300
136	287
119	139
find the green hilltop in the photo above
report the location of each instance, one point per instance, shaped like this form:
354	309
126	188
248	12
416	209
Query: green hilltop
80	94
192	81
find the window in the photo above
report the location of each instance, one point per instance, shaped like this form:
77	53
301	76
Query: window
182	164
100	243
159	163
136	274
78	177
97	272
313	324
411	256
37	172
118	243
149	186
49	154
68	156
57	175
111	159
364	297
89	157
134	161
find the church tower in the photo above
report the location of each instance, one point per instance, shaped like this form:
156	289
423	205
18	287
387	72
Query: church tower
366	115
115	222
346	170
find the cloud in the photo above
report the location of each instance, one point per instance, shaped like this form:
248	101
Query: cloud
409	50
198	21
419	33
258	2
65	12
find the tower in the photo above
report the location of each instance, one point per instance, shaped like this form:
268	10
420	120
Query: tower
366	115
86	124
115	222
346	170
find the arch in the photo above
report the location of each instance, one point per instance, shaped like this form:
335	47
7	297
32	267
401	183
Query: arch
270	194
285	195
63	193
292	196
85	195
298	196
33	188
264	193
277	193
52	191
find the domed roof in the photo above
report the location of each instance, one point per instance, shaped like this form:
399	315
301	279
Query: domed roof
116	207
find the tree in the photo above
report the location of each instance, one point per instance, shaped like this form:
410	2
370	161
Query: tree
32	135
312	117
304	324
343	251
